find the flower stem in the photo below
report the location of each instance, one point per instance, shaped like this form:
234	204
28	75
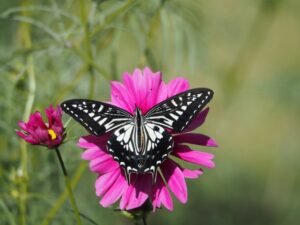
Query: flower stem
87	44
63	196
144	220
68	185
25	41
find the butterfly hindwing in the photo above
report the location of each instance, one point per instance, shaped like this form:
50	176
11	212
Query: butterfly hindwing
122	145
97	117
177	112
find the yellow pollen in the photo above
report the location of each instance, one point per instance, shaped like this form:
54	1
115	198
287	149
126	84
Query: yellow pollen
52	134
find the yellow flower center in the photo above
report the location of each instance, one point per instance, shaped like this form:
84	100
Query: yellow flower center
52	134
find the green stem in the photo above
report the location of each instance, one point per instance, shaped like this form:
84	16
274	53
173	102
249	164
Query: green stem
68	185
63	196
92	82
246	56
144	220
24	185
6	211
154	20
87	45
88	61
113	16
114	56
25	39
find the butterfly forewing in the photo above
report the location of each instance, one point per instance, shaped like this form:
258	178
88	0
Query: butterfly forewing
177	112
97	117
123	147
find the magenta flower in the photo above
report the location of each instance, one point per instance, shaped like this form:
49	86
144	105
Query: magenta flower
37	132
111	184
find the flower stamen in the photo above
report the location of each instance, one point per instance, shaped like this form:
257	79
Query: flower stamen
52	134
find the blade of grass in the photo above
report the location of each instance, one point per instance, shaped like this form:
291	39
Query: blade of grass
49	9
40	25
87	44
113	16
7	212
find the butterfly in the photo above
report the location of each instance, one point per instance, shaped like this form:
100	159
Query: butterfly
139	143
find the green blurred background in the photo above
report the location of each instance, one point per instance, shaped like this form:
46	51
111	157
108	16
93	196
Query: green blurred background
247	51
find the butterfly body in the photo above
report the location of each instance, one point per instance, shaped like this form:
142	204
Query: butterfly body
146	145
140	129
139	143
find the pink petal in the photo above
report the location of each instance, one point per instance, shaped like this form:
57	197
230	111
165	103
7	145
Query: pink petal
22	125
156	202
192	174
36	120
84	143
197	121
54	143
175	180
40	134
106	166
20	134
140	194
126	196
196	139
143	89
105	181
138	191
161	195
177	86
200	158
161	95
54	116
58	130
139	88
49	113
132	85
166	198
30	139
121	98
114	192
103	164
156	91
92	153
92	141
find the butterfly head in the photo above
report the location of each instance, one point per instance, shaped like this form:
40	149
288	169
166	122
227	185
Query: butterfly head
138	111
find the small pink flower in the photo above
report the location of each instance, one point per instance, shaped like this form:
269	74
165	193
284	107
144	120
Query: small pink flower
111	184
37	132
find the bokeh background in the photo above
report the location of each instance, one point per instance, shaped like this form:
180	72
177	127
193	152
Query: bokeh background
247	51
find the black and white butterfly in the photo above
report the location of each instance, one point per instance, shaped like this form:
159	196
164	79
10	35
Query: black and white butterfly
139	143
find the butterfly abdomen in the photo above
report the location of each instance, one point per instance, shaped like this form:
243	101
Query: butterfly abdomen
139	135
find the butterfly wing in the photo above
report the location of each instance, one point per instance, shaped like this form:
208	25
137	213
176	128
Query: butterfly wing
97	117
177	112
123	147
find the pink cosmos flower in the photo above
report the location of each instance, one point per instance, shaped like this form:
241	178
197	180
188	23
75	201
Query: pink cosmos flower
111	184
37	132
